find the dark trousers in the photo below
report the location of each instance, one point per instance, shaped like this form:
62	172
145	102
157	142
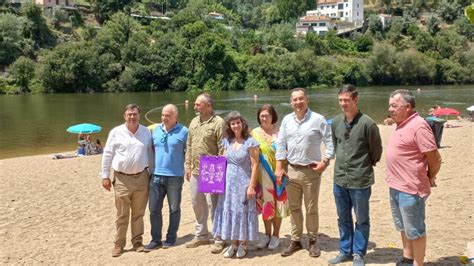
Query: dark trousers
161	186
353	241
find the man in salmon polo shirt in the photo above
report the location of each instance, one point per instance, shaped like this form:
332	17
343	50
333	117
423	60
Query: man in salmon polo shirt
413	162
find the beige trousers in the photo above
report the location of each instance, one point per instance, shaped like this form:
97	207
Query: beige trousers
131	192
304	184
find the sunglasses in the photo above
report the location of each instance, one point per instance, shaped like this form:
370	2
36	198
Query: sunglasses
348	131
164	137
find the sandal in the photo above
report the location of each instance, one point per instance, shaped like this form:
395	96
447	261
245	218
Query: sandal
404	262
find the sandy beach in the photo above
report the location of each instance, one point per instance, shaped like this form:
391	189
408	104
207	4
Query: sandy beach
56	212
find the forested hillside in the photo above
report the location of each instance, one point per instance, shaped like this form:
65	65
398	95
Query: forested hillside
156	45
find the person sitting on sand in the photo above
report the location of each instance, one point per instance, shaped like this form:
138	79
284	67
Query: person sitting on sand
81	138
89	145
81	150
98	147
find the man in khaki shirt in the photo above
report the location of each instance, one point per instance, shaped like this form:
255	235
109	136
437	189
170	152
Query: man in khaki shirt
204	138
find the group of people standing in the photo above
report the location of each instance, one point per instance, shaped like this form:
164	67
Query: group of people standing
273	171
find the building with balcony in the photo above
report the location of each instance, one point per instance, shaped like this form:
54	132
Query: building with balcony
67	4
345	10
312	23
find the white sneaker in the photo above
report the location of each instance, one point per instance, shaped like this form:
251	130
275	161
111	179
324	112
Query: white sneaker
263	242
274	243
241	251
230	251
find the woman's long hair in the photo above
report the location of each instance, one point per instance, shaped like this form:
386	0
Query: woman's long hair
234	115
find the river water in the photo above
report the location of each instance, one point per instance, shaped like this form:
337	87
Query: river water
36	124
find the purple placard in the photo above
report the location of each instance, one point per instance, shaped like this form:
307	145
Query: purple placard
212	171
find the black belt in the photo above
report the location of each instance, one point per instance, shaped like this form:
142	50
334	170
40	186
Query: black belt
131	174
299	165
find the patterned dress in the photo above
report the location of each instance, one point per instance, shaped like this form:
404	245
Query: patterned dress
236	217
272	199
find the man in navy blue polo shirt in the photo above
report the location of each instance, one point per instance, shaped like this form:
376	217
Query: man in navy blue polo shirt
169	141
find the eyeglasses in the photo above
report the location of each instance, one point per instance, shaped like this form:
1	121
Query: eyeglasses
396	106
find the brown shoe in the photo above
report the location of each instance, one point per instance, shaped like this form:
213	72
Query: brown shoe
292	248
314	250
117	251
196	242
138	247
217	248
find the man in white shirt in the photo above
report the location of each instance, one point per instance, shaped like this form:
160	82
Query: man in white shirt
129	153
299	144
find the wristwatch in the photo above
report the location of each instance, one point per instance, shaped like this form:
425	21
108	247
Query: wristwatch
326	161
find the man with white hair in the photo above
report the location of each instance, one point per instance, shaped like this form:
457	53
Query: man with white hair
169	142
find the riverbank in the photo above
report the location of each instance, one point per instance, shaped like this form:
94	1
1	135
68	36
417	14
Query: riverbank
56	212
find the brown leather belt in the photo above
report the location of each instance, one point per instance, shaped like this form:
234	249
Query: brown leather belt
131	174
300	166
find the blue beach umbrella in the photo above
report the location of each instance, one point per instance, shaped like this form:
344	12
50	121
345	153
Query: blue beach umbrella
85	128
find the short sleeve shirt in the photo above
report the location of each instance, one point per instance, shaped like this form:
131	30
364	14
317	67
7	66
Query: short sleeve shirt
407	165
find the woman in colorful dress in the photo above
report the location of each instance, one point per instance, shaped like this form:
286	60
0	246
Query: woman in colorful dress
236	216
272	200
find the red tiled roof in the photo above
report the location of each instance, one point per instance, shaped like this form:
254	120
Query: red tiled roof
313	18
326	1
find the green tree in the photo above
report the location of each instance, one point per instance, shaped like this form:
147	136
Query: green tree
375	25
450	72
23	72
382	65
463	27
104	9
317	44
115	34
291	9
12	43
363	42
339	45
448	42
395	30
387	4
282	35
448	10
210	60
72	67
433	25
415	68
37	29
424	42
58	16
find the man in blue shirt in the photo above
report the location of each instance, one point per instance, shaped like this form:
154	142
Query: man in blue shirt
169	141
299	144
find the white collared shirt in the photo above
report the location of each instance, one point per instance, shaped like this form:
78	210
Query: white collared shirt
127	152
299	142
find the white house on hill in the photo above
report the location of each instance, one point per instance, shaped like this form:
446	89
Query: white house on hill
345	10
317	24
68	4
